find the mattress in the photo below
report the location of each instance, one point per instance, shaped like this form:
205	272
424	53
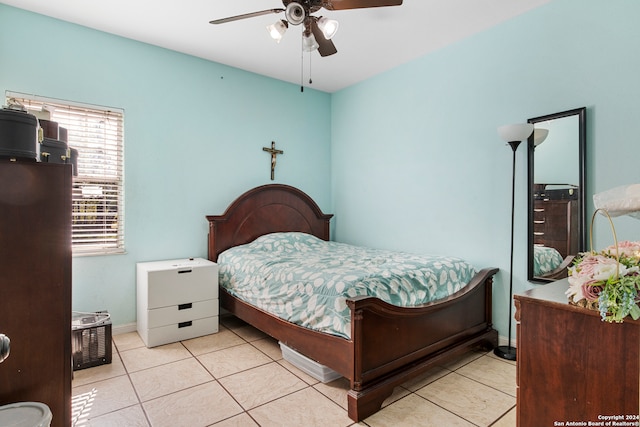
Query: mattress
306	280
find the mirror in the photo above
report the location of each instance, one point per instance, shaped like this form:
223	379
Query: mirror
556	193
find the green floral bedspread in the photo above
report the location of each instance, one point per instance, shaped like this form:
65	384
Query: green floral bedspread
545	259
306	280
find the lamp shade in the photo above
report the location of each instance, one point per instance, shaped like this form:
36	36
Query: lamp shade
329	27
277	30
539	135
309	43
515	132
623	200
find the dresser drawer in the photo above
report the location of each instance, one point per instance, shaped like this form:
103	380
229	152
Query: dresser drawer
180	331
539	226
181	313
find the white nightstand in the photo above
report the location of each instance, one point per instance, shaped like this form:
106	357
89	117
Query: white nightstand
177	300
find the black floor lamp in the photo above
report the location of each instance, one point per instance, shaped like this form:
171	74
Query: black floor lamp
514	135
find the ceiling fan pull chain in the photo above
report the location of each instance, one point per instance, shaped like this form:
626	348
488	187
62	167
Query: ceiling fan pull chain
301	65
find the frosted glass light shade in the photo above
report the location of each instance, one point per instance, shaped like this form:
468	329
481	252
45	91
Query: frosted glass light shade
515	132
329	27
539	135
309	43
277	30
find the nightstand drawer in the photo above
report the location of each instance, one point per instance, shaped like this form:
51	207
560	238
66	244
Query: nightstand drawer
182	313
167	283
181	331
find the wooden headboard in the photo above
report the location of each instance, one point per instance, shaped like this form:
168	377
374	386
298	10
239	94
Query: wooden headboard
266	209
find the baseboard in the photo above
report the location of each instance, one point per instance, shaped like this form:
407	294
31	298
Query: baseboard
124	329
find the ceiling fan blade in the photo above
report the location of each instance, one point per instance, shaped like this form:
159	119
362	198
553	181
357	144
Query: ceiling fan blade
358	4
325	47
246	15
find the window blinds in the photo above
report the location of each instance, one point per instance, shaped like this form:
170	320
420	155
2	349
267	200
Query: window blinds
98	189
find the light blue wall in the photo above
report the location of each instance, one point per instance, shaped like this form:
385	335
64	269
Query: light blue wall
194	132
417	162
556	158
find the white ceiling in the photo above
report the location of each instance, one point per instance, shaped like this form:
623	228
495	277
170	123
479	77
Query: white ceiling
369	41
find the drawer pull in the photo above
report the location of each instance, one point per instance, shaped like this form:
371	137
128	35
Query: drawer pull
184	271
185	306
185	324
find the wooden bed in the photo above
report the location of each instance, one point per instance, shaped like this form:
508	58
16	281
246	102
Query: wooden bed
389	345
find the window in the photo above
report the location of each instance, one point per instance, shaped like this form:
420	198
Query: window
98	189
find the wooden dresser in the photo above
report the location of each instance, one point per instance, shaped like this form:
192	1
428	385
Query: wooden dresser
555	225
35	285
572	366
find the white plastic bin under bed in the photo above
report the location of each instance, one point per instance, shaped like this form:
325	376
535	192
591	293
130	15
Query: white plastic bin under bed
311	367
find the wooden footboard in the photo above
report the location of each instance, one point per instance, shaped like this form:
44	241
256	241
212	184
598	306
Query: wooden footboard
394	344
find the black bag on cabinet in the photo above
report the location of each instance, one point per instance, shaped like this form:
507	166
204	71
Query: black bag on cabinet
49	128
54	151
18	134
74	160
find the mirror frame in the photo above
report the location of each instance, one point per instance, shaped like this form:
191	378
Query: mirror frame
582	145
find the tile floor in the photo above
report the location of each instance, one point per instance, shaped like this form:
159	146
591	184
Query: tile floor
238	377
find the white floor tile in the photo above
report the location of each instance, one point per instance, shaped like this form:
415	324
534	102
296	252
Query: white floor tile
237	377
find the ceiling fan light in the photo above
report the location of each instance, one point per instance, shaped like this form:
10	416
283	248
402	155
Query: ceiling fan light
277	30
309	43
329	27
295	13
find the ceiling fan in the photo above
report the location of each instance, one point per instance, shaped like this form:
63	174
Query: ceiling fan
318	31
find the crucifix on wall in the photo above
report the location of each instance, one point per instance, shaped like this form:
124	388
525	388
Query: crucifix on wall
274	153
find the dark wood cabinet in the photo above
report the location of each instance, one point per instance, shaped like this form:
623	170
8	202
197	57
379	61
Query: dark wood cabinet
555	225
35	285
572	366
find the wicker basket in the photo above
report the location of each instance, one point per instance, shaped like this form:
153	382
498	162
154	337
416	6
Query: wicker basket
91	339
